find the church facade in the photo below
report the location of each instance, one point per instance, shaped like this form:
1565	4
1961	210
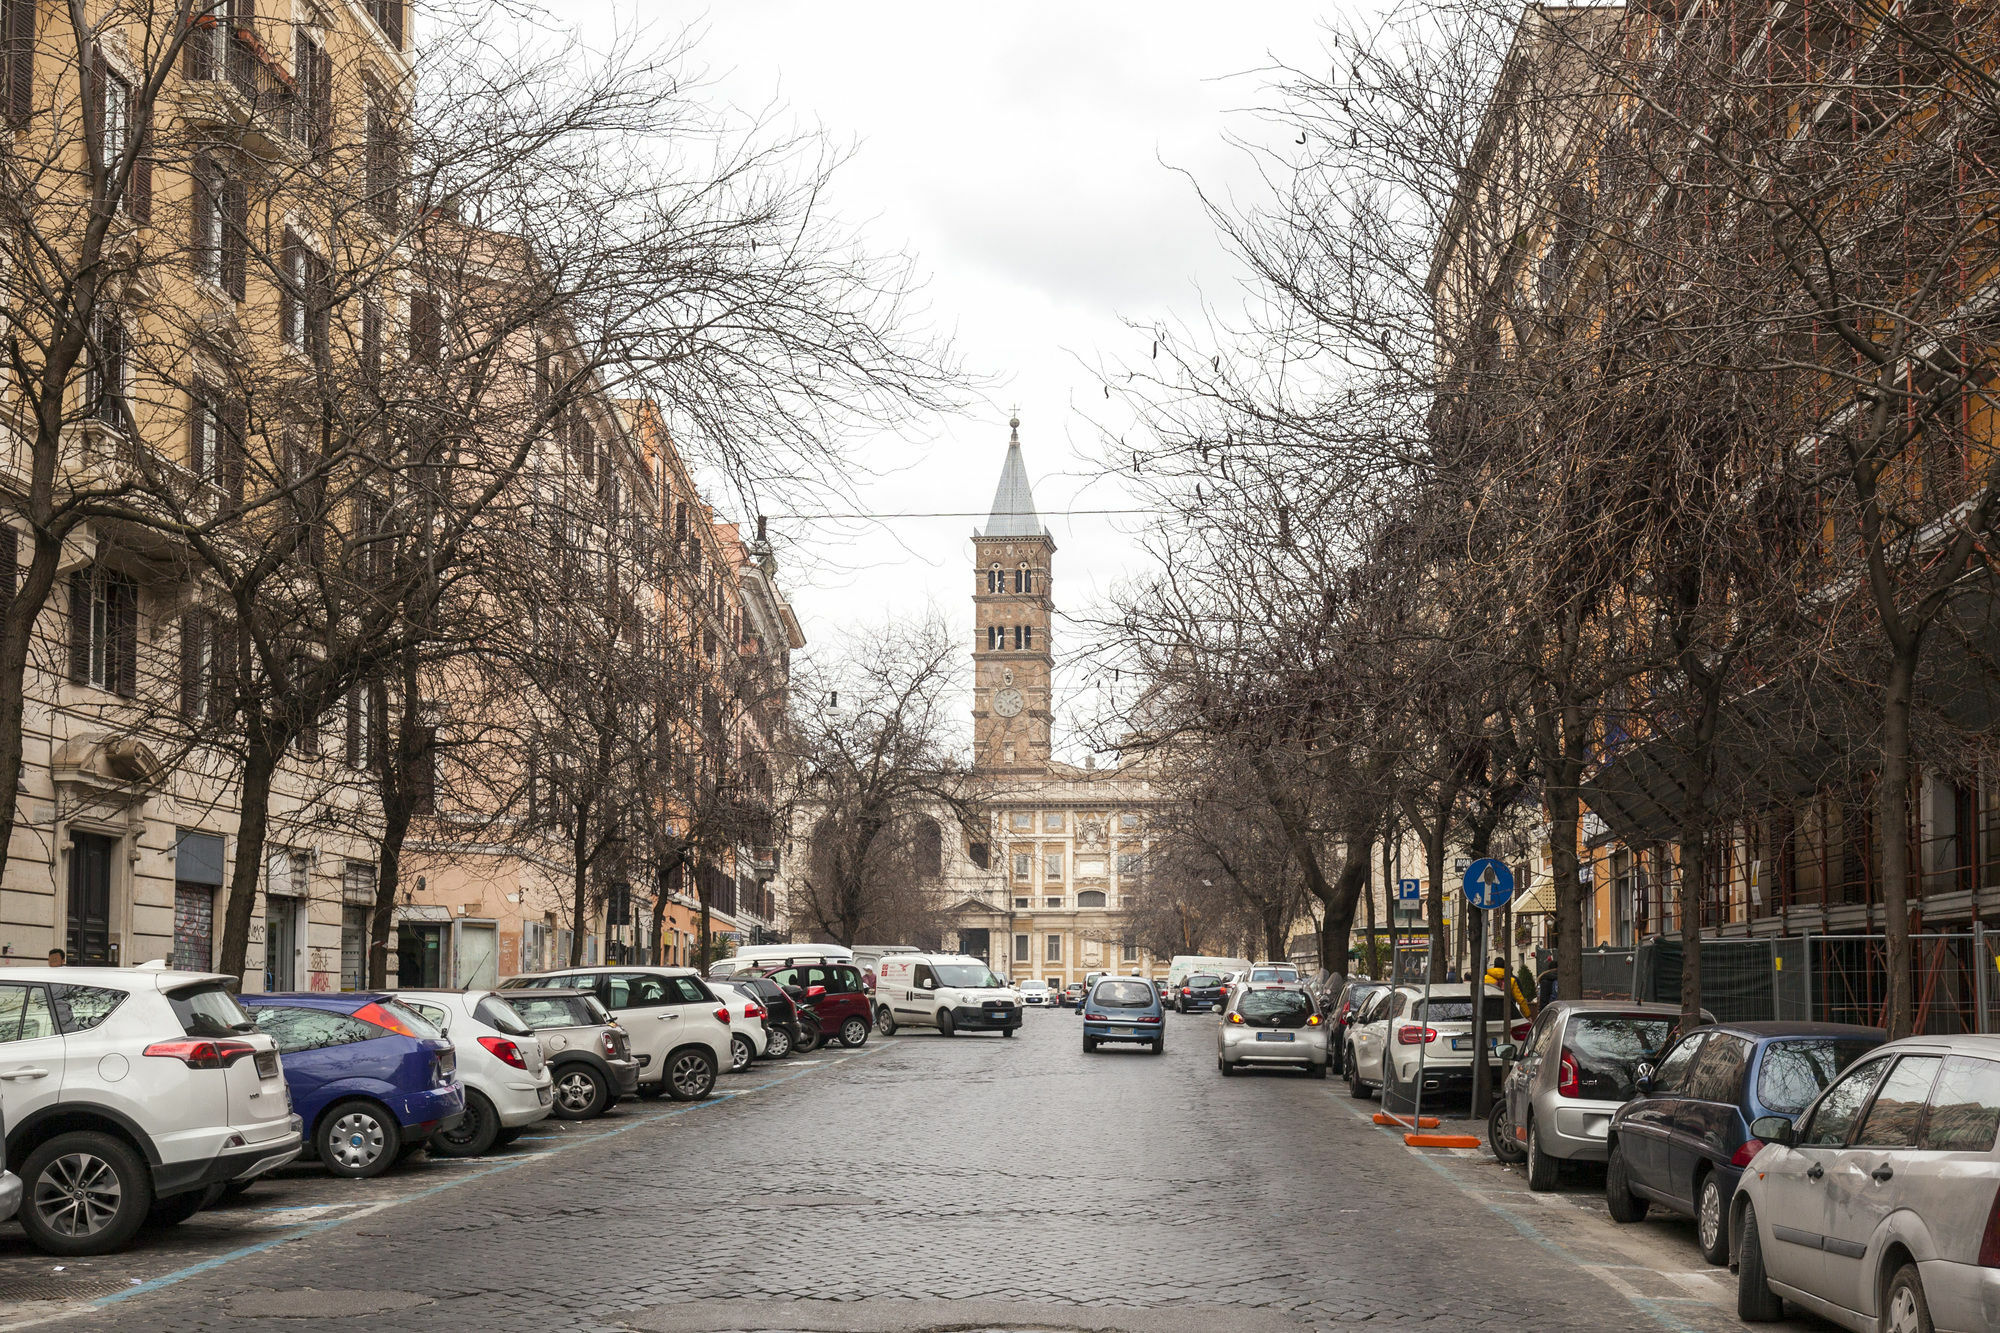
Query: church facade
1044	895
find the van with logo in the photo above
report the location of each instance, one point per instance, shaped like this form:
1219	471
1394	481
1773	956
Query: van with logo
948	991
763	957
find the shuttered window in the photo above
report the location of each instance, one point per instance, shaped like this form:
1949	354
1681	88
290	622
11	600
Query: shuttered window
104	630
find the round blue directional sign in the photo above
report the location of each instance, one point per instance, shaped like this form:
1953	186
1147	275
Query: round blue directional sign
1488	883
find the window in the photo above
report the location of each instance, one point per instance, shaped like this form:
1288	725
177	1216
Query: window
1090	899
207	1009
1892	1119
1607	1048
115	107
1024	579
1128	820
215	436
1673	1071
1021	821
312	75
1837	1111
1717	1075
25	1014
1965	1106
1024	636
1052	902
104	630
1052	949
108	367
1795	1071
638	991
1052	867
1021	902
388	16
1131	863
1123	995
1052	822
1021	948
353	946
996	637
311	1029
81	1008
1130	954
996	580
380	161
205	54
363	726
303	297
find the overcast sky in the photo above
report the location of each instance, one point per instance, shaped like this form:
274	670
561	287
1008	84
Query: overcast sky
1025	154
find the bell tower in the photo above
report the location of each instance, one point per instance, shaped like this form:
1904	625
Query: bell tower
1011	659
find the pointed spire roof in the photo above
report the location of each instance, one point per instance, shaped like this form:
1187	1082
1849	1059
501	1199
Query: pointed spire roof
1013	502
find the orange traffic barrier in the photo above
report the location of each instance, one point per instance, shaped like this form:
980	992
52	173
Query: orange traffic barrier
1440	1141
1423	1121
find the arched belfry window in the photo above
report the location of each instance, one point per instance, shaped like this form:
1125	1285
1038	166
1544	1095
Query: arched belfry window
1024	579
996	579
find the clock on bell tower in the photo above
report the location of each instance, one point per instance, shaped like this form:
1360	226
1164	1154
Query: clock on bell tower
1011	662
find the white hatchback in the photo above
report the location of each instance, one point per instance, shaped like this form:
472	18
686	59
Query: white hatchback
748	1039
1880	1208
508	1086
131	1092
679	1030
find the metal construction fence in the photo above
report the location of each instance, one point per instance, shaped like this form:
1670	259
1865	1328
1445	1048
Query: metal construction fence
1825	978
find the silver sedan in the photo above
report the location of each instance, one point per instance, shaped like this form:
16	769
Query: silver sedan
1277	1026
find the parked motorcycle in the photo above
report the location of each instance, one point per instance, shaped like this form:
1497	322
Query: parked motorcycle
811	1038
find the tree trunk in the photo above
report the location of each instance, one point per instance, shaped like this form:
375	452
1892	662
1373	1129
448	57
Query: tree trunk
1433	839
1893	814
1336	925
579	888
260	766
396	814
1563	817
1694	873
17	636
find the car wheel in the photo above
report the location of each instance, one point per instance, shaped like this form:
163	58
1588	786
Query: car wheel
1500	1134
1317	1071
946	1027
87	1193
581	1093
810	1037
1625	1206
358	1139
1089	1045
690	1074
854	1033
781	1043
1905	1310
1159	1045
1006	1032
885	1022
476	1132
1756	1303
1711	1222
1228	1070
742	1051
1182	1006
1542	1168
1355	1087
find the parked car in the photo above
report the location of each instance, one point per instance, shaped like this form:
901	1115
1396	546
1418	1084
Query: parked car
1340	1015
1272	1026
1201	990
834	993
589	1055
1072	995
762	958
1124	1009
1367	1035
950	992
508	1086
747	1039
128	1093
10	1184
1578	1063
1879	1208
1684	1140
370	1077
783	1033
1181	965
1037	994
1404	1037
678	1029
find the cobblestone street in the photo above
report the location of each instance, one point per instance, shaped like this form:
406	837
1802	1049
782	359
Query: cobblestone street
921	1182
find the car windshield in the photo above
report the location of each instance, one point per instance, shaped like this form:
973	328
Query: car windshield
970	976
1607	1048
1458	1009
209	1010
1122	995
1201	981
1276	1008
1798	1069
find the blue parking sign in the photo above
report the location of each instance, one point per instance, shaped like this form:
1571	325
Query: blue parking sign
1409	890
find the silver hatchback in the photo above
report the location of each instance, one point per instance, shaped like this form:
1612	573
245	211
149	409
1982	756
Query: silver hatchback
1577	1066
1272	1026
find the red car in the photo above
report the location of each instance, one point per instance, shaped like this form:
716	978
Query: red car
835	992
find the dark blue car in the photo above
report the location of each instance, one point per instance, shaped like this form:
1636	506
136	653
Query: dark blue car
1124	1009
368	1075
1684	1140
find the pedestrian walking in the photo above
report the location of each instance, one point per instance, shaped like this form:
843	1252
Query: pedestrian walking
1545	986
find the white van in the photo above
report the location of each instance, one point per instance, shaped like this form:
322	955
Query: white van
1183	964
947	991
778	955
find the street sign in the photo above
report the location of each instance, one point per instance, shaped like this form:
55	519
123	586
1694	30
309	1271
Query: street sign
1409	890
1488	883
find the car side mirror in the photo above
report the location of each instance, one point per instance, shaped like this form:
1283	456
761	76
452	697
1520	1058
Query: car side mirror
1774	1129
1506	1052
1642	1078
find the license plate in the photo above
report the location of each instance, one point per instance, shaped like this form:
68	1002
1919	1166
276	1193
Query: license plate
267	1064
1461	1043
1274	1036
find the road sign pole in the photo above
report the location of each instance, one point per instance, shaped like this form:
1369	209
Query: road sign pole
1482	1093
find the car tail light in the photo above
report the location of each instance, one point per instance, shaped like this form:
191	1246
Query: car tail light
202	1054
1186	991
1989	1243
612	1043
1521	1031
753	1011
504	1051
1236	1018
1150	1018
382	1018
1742	1156
722	1015
1097	1017
1411	1035
1566	1080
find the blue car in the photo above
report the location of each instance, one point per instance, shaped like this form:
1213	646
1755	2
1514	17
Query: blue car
1124	1009
1683	1142
367	1074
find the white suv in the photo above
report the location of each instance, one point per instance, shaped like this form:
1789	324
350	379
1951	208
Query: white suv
680	1031
129	1091
508	1086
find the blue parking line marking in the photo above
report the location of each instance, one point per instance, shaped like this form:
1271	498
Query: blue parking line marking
314	1228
